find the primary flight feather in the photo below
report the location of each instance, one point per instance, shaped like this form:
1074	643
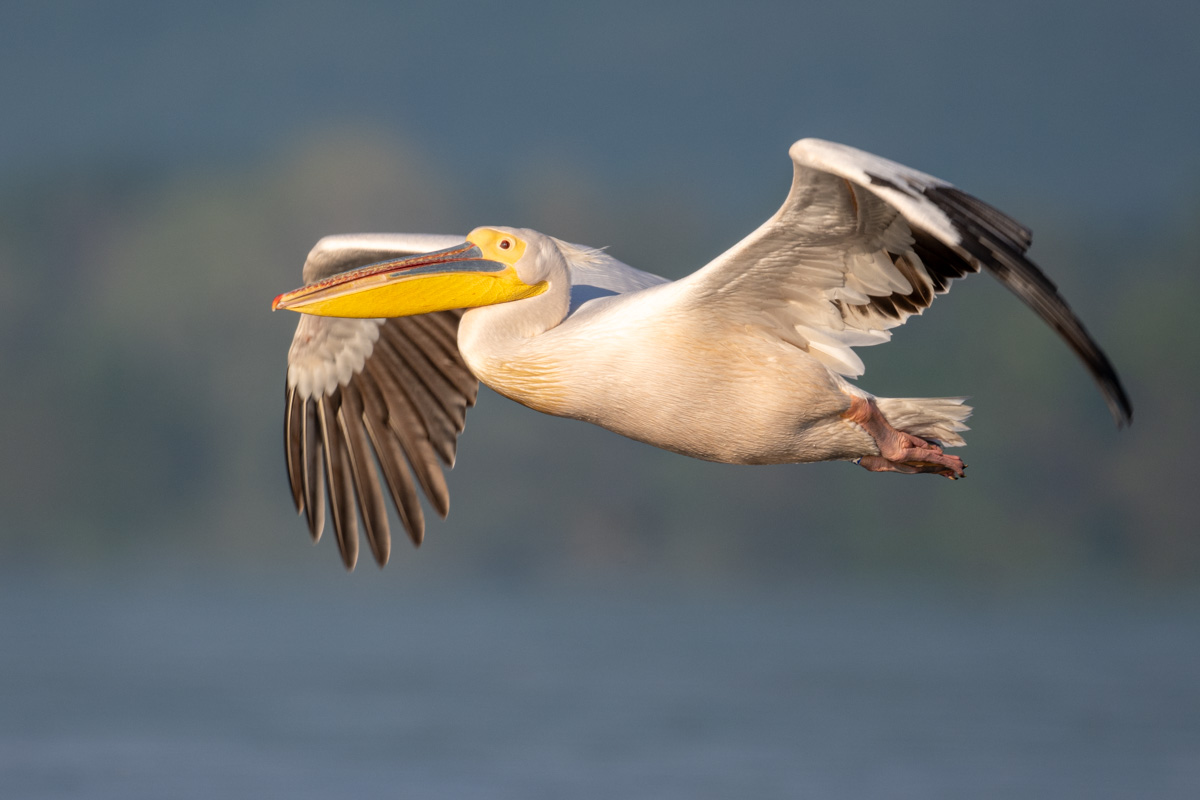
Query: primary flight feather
745	361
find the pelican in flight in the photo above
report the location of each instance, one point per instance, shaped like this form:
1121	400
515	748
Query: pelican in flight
745	361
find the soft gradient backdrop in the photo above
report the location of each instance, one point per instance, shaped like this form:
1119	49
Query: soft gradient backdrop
164	169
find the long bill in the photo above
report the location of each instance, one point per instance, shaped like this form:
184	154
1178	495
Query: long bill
458	277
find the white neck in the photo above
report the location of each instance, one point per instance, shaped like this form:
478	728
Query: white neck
500	345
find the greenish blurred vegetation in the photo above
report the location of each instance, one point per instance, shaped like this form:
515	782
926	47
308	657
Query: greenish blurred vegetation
144	375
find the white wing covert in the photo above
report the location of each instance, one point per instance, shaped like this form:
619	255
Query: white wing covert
398	388
863	243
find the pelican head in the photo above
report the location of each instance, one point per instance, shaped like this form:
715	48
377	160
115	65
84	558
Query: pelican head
494	265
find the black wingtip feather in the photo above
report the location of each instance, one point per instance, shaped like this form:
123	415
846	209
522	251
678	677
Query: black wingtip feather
998	243
950	197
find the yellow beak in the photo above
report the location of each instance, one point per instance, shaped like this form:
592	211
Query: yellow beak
458	277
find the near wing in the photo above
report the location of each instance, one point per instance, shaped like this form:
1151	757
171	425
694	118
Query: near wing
863	243
396	387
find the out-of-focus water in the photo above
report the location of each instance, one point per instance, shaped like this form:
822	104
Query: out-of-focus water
362	687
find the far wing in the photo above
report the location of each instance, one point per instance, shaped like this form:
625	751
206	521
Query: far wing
863	243
596	274
334	254
396	390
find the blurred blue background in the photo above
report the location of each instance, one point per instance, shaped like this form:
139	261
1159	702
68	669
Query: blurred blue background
595	618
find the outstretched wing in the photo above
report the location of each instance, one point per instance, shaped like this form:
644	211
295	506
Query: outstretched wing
863	243
397	388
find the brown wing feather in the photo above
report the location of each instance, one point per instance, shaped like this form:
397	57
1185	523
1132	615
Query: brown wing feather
425	360
338	481
391	459
406	405
293	435
422	387
419	423
446	356
314	503
366	481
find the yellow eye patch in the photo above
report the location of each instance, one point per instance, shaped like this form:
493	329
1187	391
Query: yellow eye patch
498	245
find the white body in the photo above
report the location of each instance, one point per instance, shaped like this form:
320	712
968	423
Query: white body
640	366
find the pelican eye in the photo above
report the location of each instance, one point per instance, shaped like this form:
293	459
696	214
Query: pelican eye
505	244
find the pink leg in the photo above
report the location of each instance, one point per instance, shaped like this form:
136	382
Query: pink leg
899	451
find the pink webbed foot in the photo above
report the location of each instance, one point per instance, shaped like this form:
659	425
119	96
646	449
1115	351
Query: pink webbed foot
951	467
900	451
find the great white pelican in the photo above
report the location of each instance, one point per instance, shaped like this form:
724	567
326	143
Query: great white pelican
745	361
